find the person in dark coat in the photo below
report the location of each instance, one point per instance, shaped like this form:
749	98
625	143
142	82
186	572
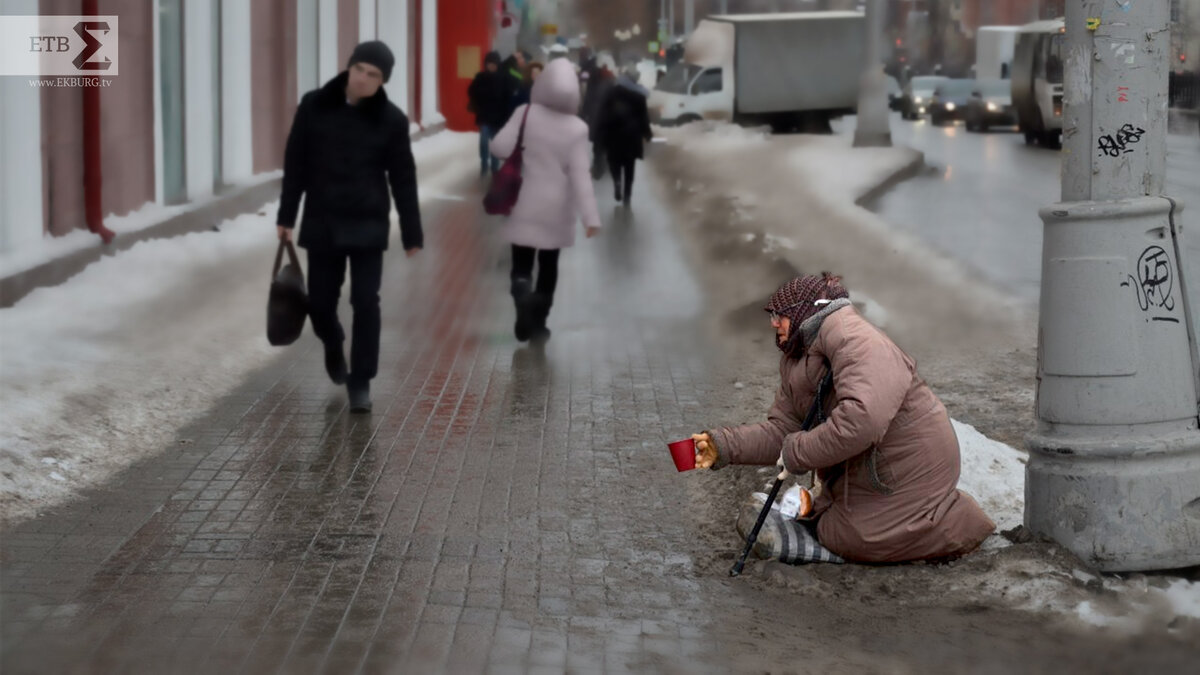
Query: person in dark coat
347	144
622	124
490	96
600	82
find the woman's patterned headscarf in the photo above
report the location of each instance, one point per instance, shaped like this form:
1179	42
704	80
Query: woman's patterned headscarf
797	300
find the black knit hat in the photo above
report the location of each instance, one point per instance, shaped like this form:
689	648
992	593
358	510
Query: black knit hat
376	54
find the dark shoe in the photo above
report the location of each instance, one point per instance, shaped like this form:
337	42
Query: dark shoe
521	292
539	311
617	194
360	397
335	364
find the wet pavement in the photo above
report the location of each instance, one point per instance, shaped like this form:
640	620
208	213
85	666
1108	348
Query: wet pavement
505	507
979	200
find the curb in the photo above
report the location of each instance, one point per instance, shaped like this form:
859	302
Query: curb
902	174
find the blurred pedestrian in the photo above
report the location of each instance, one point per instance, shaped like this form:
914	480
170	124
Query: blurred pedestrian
532	71
556	191
514	69
886	454
490	96
347	144
622	124
600	82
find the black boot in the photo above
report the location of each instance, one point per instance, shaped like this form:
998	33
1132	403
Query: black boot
539	309
521	290
617	192
360	395
335	364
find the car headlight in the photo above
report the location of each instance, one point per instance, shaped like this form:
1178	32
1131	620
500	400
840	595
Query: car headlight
992	107
922	110
918	99
950	106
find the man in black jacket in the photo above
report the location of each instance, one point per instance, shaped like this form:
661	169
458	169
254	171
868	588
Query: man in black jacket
490	96
347	143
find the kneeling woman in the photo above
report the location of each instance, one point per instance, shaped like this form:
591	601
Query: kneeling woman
886	454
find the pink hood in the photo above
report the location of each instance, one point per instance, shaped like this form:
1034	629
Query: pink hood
558	88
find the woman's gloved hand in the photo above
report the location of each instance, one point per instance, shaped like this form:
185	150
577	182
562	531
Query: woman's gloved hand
706	450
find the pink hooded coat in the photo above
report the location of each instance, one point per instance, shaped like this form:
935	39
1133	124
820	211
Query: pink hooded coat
558	183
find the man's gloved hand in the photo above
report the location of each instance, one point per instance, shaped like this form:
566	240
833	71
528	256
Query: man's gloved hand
706	450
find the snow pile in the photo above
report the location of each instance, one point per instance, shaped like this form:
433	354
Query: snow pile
104	369
716	140
994	474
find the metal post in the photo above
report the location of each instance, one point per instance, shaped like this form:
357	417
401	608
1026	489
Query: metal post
689	16
724	7
670	20
1114	467
873	130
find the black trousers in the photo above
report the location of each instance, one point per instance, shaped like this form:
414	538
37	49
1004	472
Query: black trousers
547	262
326	272
622	166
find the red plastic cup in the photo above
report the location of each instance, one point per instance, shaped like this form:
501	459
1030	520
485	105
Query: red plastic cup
684	454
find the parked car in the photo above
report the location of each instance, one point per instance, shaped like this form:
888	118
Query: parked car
991	105
917	93
949	101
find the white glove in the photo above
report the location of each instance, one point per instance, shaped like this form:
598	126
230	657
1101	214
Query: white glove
783	472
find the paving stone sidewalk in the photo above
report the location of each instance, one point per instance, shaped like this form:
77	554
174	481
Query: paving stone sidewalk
504	509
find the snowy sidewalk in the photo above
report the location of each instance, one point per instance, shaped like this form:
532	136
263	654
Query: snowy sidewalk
100	371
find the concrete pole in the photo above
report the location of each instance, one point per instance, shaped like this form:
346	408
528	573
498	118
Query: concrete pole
724	7
873	130
670	20
689	16
1114	466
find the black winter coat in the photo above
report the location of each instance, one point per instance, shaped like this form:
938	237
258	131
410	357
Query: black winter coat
622	123
342	158
491	97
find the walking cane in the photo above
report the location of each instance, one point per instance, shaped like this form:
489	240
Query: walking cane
809	422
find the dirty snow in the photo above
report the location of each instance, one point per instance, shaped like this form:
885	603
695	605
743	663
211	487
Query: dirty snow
829	166
104	369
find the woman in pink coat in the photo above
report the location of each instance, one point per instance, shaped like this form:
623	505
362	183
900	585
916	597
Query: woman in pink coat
887	456
557	191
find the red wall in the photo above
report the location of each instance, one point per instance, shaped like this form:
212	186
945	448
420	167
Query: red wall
464	31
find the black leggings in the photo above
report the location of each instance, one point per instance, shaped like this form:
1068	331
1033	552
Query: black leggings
547	261
619	165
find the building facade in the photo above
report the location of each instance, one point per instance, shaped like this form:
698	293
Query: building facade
205	98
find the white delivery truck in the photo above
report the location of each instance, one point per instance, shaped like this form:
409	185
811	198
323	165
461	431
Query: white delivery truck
994	47
791	71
